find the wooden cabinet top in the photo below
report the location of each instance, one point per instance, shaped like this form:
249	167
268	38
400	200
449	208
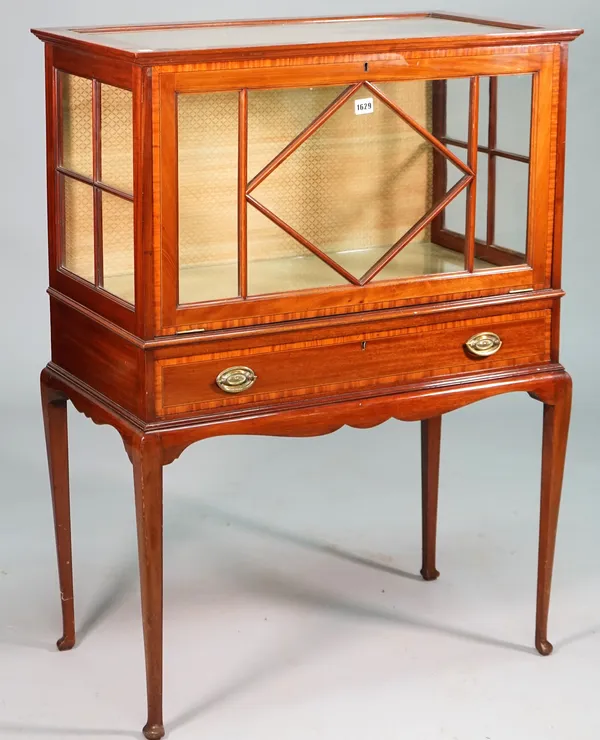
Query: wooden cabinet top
158	43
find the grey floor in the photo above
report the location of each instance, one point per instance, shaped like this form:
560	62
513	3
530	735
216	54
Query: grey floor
293	605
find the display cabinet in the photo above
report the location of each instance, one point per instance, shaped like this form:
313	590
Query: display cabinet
281	227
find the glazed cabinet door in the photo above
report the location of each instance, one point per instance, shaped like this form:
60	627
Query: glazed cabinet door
289	192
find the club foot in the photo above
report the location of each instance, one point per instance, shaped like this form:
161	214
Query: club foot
65	643
430	574
544	647
154	732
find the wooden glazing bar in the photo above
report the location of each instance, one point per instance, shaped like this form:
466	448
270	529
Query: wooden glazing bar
303	136
559	194
95	183
530	174
414	230
492	143
301	240
448	140
97	176
439	101
494	254
419	129
58	94
472	161
242	203
143	204
54	138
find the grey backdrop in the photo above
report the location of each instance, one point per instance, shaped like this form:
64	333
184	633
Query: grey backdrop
292	611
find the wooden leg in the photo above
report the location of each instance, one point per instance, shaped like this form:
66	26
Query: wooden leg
554	447
430	474
54	407
146	454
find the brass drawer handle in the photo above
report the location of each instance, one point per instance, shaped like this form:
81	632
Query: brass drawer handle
484	344
236	379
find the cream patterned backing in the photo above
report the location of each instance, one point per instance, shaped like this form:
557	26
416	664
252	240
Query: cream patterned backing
77	144
117	138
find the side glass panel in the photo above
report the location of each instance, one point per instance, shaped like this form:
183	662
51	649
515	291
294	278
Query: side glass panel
504	162
78	227
115	208
117	138
76	143
207	142
512	189
514	114
501	217
117	247
96	183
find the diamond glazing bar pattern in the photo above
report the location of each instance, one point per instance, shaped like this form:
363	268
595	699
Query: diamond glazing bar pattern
467	179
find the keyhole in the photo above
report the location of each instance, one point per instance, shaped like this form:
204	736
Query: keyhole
363	345
366	66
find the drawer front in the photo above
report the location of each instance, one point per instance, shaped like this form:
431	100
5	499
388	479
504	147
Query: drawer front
367	360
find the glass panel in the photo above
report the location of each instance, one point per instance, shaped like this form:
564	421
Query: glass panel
415	97
257	34
117	138
455	213
357	185
514	113
484	111
207	160
457	109
481	205
275	117
423	258
277	262
512	189
77	148
78	252
117	247
510	137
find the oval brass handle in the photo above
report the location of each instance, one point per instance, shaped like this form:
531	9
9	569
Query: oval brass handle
484	344
236	379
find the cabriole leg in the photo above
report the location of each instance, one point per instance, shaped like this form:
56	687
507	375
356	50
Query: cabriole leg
554	447
54	407
146	455
430	474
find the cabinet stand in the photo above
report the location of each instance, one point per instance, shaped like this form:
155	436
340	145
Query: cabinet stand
152	446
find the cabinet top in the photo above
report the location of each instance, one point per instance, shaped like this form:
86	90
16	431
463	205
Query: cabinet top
209	40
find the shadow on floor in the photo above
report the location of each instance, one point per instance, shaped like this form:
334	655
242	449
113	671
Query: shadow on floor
29	731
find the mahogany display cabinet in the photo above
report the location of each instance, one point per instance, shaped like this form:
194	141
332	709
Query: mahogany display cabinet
282	227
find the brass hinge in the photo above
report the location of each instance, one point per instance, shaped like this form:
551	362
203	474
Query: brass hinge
189	331
521	290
